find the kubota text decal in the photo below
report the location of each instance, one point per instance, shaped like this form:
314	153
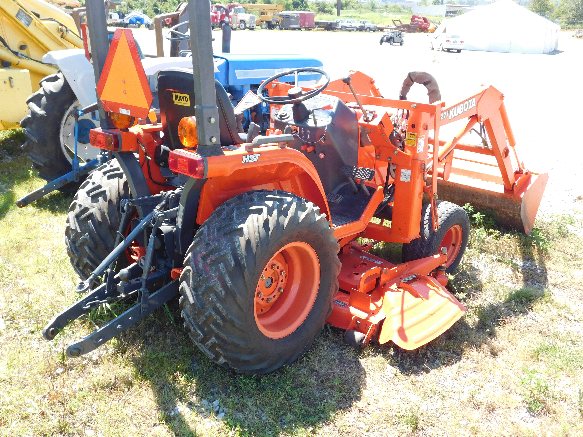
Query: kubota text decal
458	109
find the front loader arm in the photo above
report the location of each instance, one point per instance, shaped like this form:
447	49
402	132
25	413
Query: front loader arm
491	176
486	107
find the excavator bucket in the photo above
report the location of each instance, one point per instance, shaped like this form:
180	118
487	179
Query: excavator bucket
417	312
475	179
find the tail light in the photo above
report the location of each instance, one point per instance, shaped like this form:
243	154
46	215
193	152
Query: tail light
104	140
187	163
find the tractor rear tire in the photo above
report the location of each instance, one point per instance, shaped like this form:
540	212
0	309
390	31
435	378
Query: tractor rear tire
268	242
453	233
42	127
94	216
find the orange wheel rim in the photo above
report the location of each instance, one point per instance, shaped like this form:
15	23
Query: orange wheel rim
286	290
452	241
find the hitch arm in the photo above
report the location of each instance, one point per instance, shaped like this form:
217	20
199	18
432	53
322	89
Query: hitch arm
124	321
83	306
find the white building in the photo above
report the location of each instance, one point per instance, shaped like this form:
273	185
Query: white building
504	26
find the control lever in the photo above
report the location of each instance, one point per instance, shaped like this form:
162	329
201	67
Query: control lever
347	80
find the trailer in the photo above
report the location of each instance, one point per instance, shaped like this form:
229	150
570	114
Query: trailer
297	20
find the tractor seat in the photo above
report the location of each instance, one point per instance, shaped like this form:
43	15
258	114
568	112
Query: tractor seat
176	97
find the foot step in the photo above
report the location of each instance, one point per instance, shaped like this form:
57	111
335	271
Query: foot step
361	173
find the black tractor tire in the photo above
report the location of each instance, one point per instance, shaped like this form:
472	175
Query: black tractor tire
42	125
381	41
224	264
391	41
94	216
429	243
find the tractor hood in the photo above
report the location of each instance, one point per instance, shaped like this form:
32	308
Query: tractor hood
240	69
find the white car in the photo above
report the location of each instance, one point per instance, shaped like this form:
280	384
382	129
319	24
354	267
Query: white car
448	42
347	24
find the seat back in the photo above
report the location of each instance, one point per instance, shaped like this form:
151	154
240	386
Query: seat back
177	100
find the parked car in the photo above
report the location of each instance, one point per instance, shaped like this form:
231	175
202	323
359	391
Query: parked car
137	19
347	24
448	42
393	37
367	26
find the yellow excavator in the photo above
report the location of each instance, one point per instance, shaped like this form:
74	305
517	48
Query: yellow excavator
28	30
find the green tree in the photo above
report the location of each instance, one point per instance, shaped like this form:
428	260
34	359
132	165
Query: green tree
542	7
323	7
570	12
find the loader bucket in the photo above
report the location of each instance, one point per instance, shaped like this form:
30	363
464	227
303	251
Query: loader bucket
417	312
476	179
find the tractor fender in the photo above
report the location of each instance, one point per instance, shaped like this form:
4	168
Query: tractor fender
238	172
78	72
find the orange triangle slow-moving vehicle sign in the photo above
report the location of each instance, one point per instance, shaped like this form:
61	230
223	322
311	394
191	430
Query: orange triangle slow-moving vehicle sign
123	86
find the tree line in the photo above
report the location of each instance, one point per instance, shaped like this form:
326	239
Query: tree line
568	13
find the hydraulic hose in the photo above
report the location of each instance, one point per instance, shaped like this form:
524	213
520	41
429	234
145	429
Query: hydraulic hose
424	79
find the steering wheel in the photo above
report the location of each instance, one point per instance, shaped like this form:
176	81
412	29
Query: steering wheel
295	94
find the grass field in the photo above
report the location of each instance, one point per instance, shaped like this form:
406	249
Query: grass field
511	366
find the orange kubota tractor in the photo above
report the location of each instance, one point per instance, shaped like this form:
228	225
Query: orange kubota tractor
259	234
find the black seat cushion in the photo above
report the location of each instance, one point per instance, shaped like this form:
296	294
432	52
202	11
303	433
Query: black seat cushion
173	87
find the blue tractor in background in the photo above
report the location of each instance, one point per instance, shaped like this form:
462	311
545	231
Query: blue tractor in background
63	155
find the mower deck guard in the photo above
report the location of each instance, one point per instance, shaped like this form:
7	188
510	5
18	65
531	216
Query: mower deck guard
418	313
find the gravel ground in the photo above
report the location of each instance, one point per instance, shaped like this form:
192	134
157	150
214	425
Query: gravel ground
542	92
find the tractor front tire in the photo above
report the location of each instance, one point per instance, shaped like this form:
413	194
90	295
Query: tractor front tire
258	281
453	233
94	216
42	127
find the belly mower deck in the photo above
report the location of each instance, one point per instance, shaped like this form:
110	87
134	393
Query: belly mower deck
407	303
